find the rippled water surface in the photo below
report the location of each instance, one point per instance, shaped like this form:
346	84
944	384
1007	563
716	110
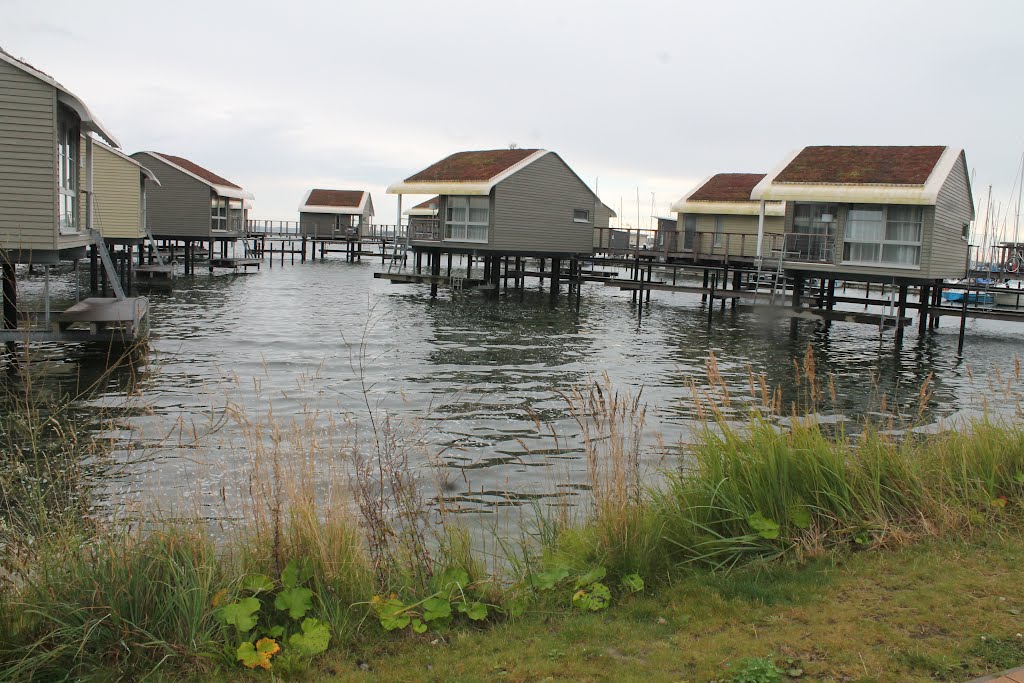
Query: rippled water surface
480	379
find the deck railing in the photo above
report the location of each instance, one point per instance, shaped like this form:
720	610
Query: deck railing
261	227
799	246
426	230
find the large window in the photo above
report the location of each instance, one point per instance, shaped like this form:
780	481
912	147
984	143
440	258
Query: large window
883	235
719	231
67	174
467	218
219	214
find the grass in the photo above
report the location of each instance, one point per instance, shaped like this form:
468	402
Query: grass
774	543
916	613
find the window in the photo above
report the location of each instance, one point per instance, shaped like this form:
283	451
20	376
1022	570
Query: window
467	219
67	174
689	230
581	215
719	230
883	235
219	214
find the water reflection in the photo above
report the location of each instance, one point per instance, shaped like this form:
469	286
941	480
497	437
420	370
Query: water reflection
484	375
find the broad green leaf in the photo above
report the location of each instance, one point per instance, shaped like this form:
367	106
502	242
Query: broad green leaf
515	607
296	601
418	626
451	579
242	614
257	655
391	613
593	576
799	515
633	583
546	580
257	583
313	639
477	611
593	598
275	631
296	573
436	608
1019	478
765	528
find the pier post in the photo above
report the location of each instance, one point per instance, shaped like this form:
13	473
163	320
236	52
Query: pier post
725	275
10	292
902	312
737	276
556	266
924	291
649	276
704	297
936	301
798	296
94	275
303	249
542	272
830	301
435	270
711	294
449	264
469	266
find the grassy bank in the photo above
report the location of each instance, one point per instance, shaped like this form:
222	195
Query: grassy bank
772	543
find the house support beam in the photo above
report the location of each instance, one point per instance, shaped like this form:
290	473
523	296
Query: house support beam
10	293
902	312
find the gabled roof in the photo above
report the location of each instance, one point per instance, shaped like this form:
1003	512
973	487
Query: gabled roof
89	122
468	173
861	165
351	202
427	208
869	174
118	153
222	186
727	193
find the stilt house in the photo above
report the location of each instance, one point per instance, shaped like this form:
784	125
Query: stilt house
336	214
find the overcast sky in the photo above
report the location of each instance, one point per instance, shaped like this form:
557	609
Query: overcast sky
639	96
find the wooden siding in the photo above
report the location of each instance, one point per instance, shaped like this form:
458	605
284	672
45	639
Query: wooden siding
318	224
531	211
117	196
739	233
952	211
28	175
180	205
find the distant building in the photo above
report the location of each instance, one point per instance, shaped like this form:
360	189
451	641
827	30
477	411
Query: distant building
423	216
717	219
874	212
510	201
193	203
336	214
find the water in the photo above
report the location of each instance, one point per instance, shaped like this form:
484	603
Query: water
479	380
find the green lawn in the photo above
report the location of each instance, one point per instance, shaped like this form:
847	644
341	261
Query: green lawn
938	611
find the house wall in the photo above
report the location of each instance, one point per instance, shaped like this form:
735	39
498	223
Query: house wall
117	196
952	210
180	206
532	210
28	174
318	224
928	240
739	233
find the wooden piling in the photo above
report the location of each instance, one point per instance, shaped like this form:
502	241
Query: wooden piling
10	294
902	312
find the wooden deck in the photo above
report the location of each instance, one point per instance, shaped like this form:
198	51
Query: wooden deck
94	319
234	263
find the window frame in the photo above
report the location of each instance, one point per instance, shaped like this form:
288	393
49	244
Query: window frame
218	213
880	262
459	231
68	160
584	219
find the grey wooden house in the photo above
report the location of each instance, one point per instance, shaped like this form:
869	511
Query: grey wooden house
45	166
48	206
717	220
897	213
192	203
506	201
336	214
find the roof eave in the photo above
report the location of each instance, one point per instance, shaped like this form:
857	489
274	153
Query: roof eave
478	187
750	208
